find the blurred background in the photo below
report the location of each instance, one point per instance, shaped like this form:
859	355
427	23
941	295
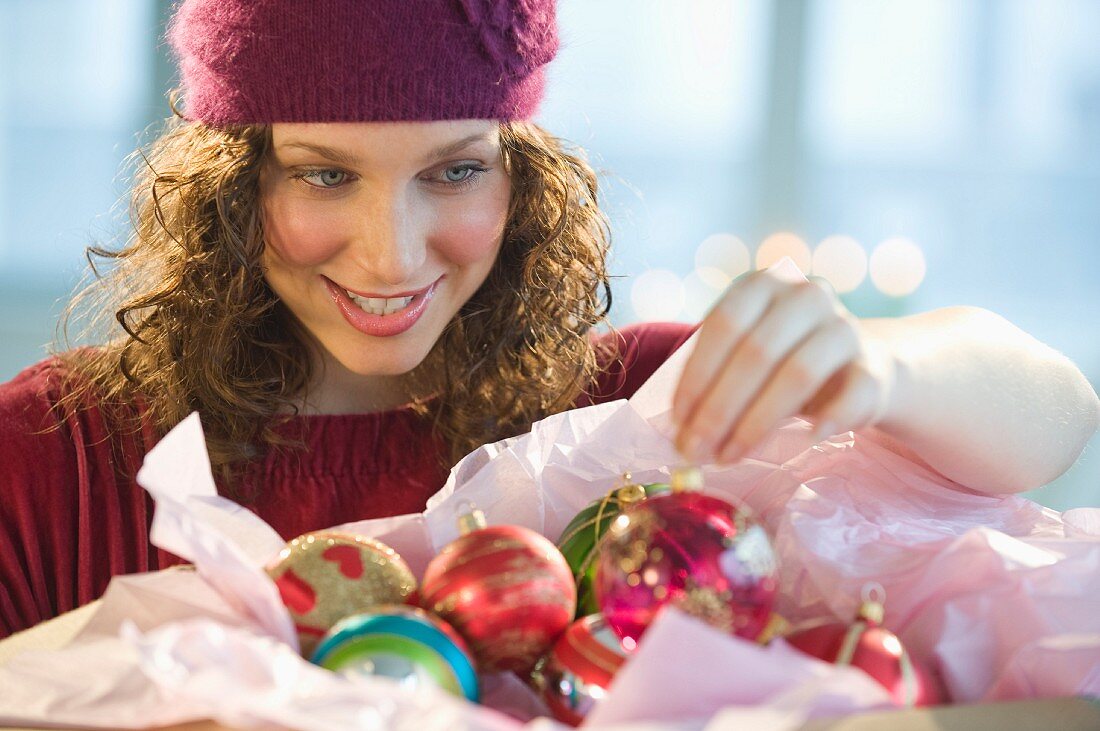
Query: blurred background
915	153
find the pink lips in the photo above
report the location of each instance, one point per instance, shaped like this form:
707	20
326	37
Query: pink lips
382	325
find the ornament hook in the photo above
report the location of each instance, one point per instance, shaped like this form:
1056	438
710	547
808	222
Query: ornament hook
874	597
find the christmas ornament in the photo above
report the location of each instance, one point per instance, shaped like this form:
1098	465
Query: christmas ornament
325	576
505	588
867	645
575	674
403	643
578	540
692	551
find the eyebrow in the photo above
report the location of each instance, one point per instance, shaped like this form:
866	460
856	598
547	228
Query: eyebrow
452	147
344	158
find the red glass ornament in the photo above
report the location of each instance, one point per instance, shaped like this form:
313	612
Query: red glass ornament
877	651
692	551
573	677
505	588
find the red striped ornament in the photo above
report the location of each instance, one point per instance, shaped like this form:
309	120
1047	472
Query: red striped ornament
574	676
505	588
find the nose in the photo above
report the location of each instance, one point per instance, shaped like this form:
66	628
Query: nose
391	245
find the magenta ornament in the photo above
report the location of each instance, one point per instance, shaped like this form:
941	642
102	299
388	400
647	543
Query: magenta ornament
692	551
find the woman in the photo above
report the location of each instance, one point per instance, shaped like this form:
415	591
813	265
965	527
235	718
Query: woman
358	259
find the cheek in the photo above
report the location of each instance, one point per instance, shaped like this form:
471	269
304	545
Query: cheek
299	237
472	235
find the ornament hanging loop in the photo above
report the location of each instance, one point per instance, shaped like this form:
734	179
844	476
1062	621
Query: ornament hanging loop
872	608
873	591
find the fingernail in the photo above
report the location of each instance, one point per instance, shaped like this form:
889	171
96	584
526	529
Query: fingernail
697	449
689	445
732	454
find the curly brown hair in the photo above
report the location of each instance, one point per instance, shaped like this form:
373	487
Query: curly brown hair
203	331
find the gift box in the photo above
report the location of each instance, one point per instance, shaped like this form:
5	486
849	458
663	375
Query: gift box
999	596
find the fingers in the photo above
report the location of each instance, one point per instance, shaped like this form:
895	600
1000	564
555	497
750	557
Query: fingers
859	401
739	309
809	369
732	383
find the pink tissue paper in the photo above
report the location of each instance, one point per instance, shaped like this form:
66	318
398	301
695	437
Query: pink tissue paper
1000	596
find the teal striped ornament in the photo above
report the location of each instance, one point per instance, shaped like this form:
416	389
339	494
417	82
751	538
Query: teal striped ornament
403	643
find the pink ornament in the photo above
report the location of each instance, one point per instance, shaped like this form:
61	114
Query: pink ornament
692	551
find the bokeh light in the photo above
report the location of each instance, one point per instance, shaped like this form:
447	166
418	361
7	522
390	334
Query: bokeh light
700	292
720	259
897	266
841	261
781	244
657	294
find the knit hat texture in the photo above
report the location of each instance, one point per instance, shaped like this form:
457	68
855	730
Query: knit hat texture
263	61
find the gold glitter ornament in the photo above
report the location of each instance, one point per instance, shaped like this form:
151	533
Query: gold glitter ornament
325	576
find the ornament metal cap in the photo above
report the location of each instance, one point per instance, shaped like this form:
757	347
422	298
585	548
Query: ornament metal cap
777	626
684	479
872	613
470	521
630	494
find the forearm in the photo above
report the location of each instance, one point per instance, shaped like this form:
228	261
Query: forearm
981	401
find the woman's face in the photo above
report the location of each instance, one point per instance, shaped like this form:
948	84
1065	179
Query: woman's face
377	233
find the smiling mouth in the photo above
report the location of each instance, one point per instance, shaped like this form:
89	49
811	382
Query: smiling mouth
380	305
383	306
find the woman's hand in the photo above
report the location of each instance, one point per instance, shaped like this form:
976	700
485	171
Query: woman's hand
771	349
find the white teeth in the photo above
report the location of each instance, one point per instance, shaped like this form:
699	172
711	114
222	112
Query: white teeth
380	305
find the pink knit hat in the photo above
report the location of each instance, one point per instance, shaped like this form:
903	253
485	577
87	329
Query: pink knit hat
245	61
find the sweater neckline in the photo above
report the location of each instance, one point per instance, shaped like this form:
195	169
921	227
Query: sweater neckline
354	443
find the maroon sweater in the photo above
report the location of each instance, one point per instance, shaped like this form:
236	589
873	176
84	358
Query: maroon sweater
72	516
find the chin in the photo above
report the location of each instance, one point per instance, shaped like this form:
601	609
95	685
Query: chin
382	361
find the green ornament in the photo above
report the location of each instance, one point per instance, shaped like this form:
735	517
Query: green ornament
579	539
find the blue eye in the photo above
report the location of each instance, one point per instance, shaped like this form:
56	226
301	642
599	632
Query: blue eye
324	178
464	174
